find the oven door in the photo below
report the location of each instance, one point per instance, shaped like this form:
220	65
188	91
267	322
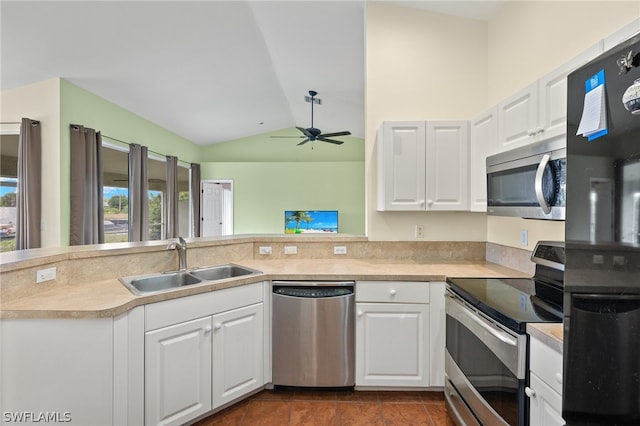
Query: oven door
485	364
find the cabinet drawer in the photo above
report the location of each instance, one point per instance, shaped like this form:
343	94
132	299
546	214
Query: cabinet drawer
392	291
547	364
174	311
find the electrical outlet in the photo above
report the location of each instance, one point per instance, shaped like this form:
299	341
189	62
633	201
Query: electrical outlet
265	250
419	231
524	237
290	250
43	275
339	249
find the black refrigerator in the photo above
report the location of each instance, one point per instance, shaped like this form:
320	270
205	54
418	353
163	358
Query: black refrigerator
601	383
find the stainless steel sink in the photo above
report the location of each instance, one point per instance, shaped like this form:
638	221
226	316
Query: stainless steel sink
145	284
221	272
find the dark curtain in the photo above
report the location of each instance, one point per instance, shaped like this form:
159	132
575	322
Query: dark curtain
194	196
87	209
138	193
172	226
29	187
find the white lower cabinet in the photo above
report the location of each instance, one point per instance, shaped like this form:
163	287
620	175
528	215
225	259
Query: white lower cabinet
195	365
178	372
391	344
237	353
399	334
545	385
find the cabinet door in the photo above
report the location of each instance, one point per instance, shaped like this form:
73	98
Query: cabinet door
553	94
392	344
237	353
447	154
483	142
545	405
401	166
518	118
178	372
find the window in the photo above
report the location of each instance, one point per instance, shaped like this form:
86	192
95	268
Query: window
157	176
8	190
184	201
115	175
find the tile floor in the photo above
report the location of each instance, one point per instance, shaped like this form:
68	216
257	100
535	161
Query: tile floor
285	407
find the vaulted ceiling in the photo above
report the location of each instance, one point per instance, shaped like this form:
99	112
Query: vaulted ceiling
209	71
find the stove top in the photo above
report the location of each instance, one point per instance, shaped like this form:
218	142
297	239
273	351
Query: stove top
514	302
510	301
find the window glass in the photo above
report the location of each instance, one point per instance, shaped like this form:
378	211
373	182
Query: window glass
8	191
157	175
115	175
184	205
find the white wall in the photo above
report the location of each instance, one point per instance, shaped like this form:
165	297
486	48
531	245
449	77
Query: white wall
527	39
41	101
421	65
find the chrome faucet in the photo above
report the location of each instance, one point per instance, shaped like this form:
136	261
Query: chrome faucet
181	246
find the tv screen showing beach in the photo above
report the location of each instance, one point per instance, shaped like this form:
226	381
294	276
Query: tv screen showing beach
310	221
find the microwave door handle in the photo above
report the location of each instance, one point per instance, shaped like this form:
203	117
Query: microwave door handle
538	184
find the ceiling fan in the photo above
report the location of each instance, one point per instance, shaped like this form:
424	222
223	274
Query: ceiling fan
312	134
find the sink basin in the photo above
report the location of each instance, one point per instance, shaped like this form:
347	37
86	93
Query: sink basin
161	282
145	284
221	272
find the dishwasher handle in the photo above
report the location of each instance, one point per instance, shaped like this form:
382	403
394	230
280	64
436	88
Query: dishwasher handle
313	292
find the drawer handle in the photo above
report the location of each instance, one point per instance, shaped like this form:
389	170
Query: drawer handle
529	392
559	378
392	292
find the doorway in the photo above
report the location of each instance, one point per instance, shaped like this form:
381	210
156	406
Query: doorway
217	208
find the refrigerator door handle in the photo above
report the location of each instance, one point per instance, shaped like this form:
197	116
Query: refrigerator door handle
538	184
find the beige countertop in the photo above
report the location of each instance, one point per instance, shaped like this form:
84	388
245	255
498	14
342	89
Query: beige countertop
549	334
109	298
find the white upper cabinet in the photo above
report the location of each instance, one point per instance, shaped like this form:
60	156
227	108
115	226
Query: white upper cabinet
538	111
447	165
553	94
622	34
483	142
423	165
518	118
401	166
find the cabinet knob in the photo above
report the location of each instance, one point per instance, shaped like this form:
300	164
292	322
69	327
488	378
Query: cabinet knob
207	329
529	392
360	313
559	378
217	326
392	292
429	202
540	130
531	132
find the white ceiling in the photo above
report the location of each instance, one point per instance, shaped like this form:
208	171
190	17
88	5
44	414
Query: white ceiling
209	71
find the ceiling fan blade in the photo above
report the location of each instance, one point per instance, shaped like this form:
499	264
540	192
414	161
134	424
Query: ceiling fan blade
304	131
297	137
329	135
323	139
304	141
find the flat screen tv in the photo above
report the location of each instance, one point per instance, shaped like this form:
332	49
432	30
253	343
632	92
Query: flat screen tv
310	221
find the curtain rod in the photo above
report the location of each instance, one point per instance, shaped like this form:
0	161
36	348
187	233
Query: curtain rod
33	122
129	143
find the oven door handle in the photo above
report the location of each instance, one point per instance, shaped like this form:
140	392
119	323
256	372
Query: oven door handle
504	338
508	347
538	184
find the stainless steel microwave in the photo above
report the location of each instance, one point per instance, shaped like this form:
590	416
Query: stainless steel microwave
528	182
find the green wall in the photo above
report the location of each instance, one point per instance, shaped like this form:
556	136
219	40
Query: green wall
262	191
78	106
270	175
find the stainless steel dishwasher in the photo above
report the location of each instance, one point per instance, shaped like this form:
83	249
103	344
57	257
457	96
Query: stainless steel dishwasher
313	333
